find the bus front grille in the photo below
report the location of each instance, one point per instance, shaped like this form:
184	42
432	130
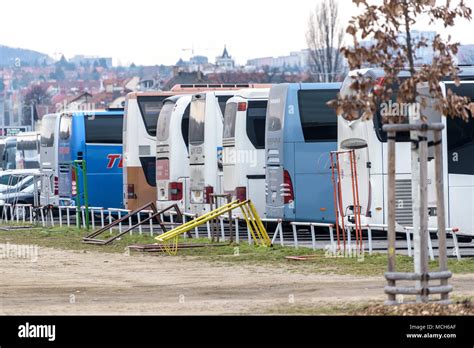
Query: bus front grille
403	203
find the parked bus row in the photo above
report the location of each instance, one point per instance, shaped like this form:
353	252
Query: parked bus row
267	143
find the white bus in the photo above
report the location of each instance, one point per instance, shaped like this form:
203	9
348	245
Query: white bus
244	146
49	160
370	144
458	166
139	143
205	147
172	158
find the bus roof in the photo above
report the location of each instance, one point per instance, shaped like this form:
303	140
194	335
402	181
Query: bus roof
464	71
313	85
195	88
253	93
96	112
175	98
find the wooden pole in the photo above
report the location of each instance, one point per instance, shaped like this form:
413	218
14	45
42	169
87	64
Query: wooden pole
443	259
423	152
391	209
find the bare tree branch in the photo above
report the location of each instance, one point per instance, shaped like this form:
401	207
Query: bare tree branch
325	38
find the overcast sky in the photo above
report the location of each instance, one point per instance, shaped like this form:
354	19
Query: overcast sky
156	31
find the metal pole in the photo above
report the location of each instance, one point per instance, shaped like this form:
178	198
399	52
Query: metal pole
86	193
443	258
391	209
78	201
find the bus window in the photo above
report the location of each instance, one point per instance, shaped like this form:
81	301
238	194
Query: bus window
149	169
318	120
229	120
379	121
256	115
150	108
185	126
164	121
222	100
47	130
10	156
2	152
96	125
461	136
196	121
65	127
27	150
276	107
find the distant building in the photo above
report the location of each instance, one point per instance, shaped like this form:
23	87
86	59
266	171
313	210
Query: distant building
185	78
199	60
295	60
423	55
225	61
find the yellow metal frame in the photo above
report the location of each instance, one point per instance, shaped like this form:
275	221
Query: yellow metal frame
254	224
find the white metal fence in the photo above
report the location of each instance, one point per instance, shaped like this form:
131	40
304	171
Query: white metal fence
100	217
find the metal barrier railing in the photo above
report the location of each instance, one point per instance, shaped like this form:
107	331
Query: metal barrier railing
100	217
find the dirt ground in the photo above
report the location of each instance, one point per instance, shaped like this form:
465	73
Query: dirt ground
74	282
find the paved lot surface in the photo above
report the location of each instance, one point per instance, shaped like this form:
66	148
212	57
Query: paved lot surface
72	282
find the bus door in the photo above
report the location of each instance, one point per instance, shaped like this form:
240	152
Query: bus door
277	155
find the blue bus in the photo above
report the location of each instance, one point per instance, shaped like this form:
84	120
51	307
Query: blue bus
301	131
95	137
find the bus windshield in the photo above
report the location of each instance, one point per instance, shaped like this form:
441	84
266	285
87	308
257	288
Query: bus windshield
318	120
256	115
229	120
196	121
162	132
150	108
47	130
